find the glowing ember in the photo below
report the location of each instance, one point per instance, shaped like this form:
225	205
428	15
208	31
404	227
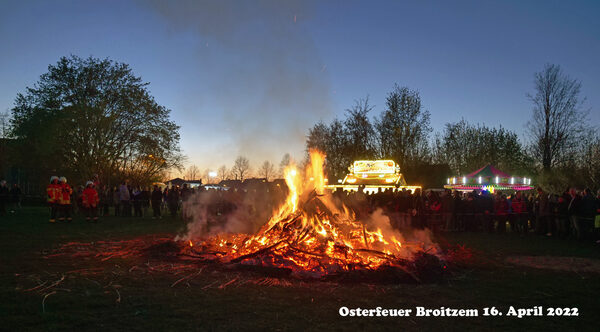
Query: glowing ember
313	234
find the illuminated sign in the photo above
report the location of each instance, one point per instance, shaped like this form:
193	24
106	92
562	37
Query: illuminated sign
374	166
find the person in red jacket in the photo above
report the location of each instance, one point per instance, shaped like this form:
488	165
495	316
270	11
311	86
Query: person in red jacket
52	191
64	200
90	201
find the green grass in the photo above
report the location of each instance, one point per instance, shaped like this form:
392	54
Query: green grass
148	302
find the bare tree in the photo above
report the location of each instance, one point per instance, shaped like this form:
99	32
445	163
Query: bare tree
267	170
206	176
192	173
558	121
241	168
223	173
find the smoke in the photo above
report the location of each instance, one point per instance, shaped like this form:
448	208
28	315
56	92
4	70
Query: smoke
407	236
262	70
228	212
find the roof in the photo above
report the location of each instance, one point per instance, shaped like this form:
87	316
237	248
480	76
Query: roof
252	181
176	181
230	183
488	171
489	177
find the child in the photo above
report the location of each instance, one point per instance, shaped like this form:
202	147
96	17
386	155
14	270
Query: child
90	201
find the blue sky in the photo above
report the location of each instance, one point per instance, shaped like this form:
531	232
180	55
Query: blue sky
250	77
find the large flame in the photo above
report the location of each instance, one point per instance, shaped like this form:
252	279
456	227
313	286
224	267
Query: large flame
313	233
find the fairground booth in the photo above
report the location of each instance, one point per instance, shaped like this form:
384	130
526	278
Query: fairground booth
488	178
372	176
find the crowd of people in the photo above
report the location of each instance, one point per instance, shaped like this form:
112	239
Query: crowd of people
571	214
96	200
574	213
10	198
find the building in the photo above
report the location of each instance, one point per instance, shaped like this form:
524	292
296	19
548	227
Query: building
180	182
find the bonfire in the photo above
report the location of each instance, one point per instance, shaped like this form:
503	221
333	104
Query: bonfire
313	235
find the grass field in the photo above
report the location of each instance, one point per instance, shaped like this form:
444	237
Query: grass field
120	299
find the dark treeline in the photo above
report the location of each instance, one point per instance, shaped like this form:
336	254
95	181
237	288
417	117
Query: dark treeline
560	149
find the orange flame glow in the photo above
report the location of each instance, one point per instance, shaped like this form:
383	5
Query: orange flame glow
314	234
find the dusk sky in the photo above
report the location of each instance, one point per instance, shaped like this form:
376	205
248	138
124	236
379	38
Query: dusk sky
251	77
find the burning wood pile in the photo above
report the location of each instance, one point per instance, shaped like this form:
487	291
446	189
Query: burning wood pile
313	236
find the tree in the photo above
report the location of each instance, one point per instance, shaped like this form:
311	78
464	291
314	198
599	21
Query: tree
359	132
5	159
558	121
337	159
205	176
222	173
318	137
344	141
241	168
403	128
92	116
267	170
589	161
464	146
4	124
192	173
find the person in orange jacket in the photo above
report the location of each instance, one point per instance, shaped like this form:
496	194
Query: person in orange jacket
65	200
52	190
90	201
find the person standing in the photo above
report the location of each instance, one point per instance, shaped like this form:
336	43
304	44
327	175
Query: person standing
173	200
447	209
469	209
501	211
4	194
90	201
574	211
53	192
137	202
185	194
587	212
124	199
65	200
562	214
519	209
418	209
156	199
116	199
15	197
145	197
543	223
487	211
458	212
105	199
